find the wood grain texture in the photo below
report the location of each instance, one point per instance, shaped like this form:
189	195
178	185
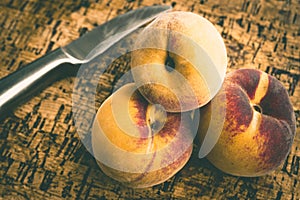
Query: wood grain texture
41	154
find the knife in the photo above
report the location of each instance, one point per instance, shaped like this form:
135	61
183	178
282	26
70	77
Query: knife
19	86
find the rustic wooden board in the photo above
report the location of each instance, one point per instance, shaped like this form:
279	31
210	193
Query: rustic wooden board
41	155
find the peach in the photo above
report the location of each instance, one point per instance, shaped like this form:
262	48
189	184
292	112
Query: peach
140	144
179	61
259	126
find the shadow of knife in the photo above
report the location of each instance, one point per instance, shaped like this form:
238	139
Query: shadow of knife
22	84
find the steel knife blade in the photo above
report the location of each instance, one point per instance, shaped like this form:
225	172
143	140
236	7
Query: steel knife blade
22	84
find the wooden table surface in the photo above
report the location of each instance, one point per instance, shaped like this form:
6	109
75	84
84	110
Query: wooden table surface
41	155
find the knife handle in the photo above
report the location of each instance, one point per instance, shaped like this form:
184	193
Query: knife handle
22	84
